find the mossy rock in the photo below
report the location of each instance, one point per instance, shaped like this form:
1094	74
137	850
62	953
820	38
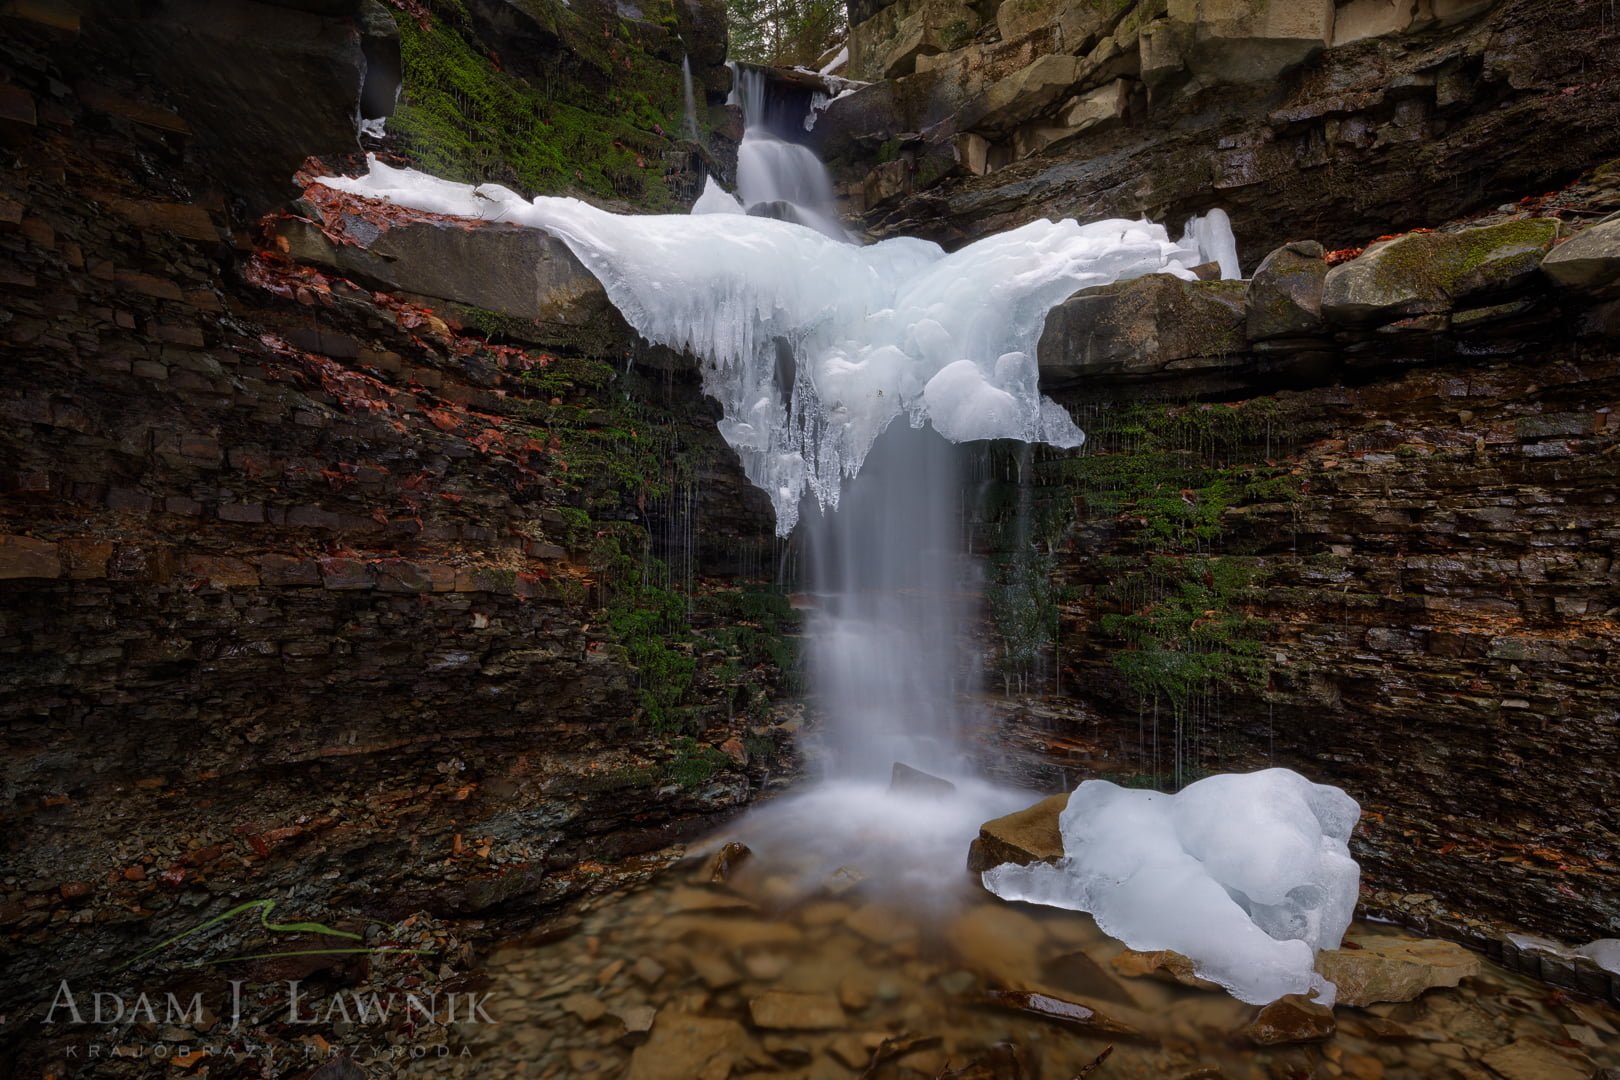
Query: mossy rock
1591	260
1285	294
1427	273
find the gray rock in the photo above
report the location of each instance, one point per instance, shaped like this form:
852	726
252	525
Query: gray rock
1021	95
1285	294
1590	260
508	269
1426	273
1144	326
906	780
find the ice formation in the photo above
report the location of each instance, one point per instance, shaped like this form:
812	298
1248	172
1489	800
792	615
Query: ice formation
1246	874
813	346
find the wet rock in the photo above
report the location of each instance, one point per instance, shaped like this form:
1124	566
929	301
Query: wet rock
682	1047
1000	942
1426	273
724	862
882	924
1054	1008
1291	1019
1027	836
1146	326
1285	294
904	780
1395	970
1162	964
638	1021
784	1010
588	1007
1537	1059
647	971
1590	260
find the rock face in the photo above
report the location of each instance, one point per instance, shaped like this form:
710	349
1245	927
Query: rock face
1144	326
1027	836
1352	117
293	571
1430	273
1395	970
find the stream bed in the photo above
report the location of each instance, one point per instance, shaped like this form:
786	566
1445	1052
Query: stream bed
788	967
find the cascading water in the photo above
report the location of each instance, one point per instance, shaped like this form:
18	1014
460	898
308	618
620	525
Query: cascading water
689	99
814	347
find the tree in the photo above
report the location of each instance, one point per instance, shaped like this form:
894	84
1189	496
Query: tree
784	32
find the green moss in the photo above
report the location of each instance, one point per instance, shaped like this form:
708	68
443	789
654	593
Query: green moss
462	118
694	764
1439	264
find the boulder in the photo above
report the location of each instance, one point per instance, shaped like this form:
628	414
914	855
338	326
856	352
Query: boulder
681	1046
511	270
1144	326
1360	19
1291	1019
1285	294
1397	969
887	45
1589	260
1246	41
1427	273
1028	836
1007	102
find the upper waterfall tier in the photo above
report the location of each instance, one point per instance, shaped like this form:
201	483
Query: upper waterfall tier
813	345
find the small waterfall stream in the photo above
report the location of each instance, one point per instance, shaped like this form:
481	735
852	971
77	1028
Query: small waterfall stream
689	99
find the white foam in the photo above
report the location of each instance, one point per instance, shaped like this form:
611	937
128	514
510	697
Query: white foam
1247	875
871	330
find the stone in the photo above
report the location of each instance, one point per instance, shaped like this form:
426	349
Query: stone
1285	294
784	1010
682	1046
1291	1019
1360	19
904	780
1145	326
588	1007
1396	969
999	942
1027	836
638	1022
25	557
1008	102
973	153
1588	260
511	270
1083	21
1426	273
723	863
1246	41
888	45
1163	964
1096	109
1532	1058
1050	1007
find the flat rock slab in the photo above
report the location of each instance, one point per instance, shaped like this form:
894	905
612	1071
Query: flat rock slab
1146	326
783	1010
1028	836
1537	1059
1395	970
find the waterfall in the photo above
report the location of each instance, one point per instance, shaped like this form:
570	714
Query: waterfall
689	98
814	346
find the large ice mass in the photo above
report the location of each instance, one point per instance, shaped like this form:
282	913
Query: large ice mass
813	345
1247	874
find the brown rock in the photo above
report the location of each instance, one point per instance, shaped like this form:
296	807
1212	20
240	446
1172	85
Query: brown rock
681	1047
1395	970
1055	1008
25	557
783	1010
1025	837
725	861
1537	1059
1162	964
1291	1019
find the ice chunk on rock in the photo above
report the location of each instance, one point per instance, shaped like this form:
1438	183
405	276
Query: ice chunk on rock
1246	874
